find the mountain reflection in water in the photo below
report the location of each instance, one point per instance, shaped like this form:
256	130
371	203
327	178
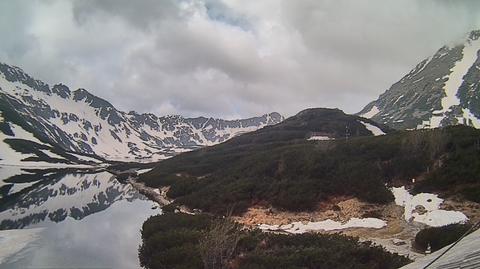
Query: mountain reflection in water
86	219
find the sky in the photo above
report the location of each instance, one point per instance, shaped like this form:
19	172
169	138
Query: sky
229	58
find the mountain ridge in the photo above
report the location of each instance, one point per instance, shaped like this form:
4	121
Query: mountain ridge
81	122
442	90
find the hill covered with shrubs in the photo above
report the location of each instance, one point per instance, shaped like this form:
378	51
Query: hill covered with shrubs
277	165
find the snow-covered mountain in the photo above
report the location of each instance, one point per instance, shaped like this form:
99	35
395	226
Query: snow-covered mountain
80	122
443	89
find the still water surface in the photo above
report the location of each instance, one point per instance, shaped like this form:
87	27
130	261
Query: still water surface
71	220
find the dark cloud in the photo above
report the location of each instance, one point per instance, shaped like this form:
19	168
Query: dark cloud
229	58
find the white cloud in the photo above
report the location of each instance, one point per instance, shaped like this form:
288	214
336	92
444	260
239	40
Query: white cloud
229	58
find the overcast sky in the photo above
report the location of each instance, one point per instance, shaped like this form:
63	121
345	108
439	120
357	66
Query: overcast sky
229	58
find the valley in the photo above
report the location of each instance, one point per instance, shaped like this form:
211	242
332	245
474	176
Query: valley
84	184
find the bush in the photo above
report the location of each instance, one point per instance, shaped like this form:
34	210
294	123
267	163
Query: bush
295	174
183	241
439	237
170	241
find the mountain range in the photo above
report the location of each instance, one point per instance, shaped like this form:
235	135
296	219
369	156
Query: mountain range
442	90
53	124
80	122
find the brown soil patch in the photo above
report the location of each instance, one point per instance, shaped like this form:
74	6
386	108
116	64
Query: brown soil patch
335	209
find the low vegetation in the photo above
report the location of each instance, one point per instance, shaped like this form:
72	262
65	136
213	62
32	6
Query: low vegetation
439	237
297	174
200	241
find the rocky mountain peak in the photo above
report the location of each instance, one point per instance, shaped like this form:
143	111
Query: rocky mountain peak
16	74
441	90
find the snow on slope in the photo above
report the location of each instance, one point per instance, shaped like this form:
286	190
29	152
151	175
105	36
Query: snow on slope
319	137
86	158
81	122
453	83
433	216
8	155
325	225
455	79
441	90
11	157
372	128
372	112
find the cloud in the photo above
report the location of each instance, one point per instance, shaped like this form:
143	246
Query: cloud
229	58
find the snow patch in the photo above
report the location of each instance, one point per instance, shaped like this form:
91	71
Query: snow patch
17	187
373	129
453	83
325	225
433	216
468	115
372	112
455	79
21	133
141	171
52	155
319	137
85	158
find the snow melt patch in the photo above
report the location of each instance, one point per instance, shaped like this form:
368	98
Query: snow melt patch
433	216
373	129
141	171
319	137
372	112
325	225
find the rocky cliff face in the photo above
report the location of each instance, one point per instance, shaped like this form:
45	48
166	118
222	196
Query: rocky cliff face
81	122
443	89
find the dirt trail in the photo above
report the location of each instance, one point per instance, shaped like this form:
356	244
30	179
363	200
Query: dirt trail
158	196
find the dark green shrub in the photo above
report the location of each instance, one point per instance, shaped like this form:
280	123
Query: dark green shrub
172	241
295	174
439	237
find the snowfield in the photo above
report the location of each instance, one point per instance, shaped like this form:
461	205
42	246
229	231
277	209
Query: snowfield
325	225
433	215
373	129
374	111
319	137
